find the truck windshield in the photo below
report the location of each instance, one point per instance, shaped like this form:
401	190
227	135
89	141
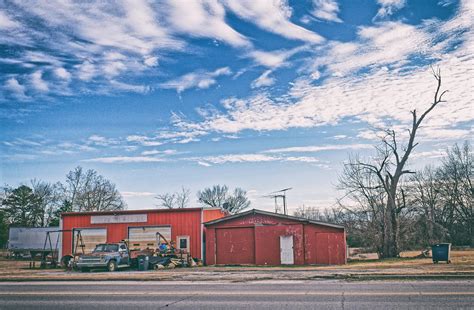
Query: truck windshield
106	248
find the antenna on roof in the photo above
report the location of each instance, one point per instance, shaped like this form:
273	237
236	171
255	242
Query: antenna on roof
279	194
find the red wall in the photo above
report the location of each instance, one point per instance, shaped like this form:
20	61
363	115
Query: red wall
236	245
312	243
325	245
182	221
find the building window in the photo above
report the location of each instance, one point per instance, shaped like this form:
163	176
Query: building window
183	243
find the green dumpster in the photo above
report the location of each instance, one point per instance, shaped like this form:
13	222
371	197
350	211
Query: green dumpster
441	252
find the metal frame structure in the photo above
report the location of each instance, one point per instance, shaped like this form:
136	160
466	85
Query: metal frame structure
54	259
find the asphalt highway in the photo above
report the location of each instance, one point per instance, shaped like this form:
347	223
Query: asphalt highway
244	295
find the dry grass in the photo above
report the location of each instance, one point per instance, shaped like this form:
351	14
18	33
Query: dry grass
462	263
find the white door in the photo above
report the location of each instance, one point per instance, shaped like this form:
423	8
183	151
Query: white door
286	250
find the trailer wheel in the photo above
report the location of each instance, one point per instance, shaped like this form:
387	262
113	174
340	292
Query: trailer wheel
112	266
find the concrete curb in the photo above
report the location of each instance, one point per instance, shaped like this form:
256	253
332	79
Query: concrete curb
347	277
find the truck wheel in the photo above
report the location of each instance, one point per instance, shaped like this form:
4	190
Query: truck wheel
65	261
112	266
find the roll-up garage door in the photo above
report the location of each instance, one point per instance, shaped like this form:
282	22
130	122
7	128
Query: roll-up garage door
235	246
90	237
145	236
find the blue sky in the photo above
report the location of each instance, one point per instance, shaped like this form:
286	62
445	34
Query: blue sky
156	95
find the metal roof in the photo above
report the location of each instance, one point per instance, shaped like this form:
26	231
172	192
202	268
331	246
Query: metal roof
288	217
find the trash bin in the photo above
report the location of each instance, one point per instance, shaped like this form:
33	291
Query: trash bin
441	252
143	263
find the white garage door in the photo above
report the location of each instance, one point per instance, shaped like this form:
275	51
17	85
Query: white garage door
90	237
145	236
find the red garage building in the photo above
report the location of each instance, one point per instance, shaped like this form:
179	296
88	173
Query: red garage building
183	226
264	238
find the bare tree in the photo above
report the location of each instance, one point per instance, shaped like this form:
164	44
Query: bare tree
390	169
237	201
213	197
426	198
48	201
219	197
175	200
167	200
456	187
89	191
367	210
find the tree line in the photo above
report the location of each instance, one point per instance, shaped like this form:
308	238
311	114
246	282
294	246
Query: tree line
217	196
435	205
40	203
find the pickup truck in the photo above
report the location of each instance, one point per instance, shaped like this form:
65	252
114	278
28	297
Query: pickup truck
107	255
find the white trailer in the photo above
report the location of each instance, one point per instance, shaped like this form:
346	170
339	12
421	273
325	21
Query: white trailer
31	240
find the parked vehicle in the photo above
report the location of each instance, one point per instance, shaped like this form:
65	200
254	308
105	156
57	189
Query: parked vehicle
106	255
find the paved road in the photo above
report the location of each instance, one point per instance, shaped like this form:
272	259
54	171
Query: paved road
248	295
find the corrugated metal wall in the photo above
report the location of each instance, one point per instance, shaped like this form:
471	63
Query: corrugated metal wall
312	243
183	222
31	238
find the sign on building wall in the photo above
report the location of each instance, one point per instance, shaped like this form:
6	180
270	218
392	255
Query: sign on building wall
121	218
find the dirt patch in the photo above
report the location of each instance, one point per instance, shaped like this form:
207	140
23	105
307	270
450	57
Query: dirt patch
406	267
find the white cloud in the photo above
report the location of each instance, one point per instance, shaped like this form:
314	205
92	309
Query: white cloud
263	80
144	140
151	61
100	140
428	154
238	158
159	152
62	73
273	16
124	159
16	88
38	83
326	10
104	40
304	159
250	158
378	99
320	148
274	59
6	22
390	43
200	79
268	59
118	25
202	163
113	68
137	194
86	71
388	7
141	89
202	19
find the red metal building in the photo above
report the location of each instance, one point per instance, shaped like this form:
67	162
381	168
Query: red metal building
264	238
183	226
